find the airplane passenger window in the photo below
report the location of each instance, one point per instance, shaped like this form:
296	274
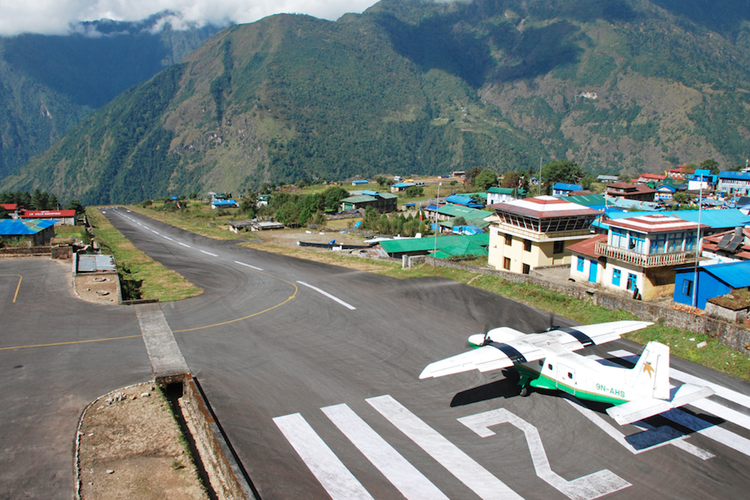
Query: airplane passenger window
549	366
570	375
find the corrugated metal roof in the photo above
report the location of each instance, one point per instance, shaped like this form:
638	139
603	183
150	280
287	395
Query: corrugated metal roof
544	207
716	219
586	200
18	227
734	274
358	199
96	263
567	187
405	245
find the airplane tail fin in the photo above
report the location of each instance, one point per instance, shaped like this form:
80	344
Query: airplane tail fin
650	377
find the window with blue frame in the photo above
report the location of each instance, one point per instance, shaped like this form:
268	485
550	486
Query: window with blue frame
619	238
632	281
689	241
674	242
637	242
616	274
687	288
659	245
579	265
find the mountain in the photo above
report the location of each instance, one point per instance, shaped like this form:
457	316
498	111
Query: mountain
48	83
420	87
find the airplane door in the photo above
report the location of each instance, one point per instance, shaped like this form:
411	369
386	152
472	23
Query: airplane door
566	379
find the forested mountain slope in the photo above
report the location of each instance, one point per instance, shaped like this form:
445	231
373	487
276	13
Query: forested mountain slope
418	87
48	83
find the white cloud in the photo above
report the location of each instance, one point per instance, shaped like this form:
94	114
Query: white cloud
57	16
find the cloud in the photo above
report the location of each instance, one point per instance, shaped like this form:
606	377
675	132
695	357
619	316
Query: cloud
61	16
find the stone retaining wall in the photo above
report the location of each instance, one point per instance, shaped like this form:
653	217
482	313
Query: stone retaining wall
733	335
26	252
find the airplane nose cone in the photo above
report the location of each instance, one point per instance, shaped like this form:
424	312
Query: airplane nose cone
476	340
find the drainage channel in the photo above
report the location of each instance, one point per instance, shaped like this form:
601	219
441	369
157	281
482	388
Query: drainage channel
173	392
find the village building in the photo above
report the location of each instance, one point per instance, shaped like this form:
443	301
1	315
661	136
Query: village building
61	217
382	202
650	178
640	255
728	246
734	183
712	281
35	233
498	194
562	189
535	232
627	191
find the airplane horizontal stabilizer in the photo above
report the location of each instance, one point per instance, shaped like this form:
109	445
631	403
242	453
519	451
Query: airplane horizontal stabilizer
643	408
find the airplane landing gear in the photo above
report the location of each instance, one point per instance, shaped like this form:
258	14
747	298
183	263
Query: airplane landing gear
525	390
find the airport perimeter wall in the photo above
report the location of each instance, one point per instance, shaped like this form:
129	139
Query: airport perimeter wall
733	335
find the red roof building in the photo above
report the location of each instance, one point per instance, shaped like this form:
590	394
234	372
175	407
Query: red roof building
627	191
66	217
9	207
648	178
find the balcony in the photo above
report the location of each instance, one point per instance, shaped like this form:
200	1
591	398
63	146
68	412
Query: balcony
644	260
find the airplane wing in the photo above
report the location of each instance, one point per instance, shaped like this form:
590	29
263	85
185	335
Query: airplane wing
643	408
491	356
578	337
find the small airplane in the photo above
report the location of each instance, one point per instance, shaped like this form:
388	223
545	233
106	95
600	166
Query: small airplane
547	361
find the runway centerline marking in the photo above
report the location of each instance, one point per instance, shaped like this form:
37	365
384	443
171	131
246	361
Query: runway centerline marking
209	253
183	244
247	265
337	480
335	299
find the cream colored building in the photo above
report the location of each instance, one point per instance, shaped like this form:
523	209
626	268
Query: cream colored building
534	232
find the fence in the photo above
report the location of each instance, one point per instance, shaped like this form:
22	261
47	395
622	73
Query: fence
734	336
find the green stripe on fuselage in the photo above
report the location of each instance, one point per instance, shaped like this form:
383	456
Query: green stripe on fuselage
539	381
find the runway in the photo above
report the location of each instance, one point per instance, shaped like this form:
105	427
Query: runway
312	371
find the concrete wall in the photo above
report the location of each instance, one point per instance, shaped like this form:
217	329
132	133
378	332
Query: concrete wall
734	336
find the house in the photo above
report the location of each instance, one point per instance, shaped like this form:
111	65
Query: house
650	178
641	254
465	201
734	183
449	212
727	246
499	195
607	179
715	221
702	179
382	202
9	207
64	217
220	203
680	173
665	193
534	232
586	264
401	186
450	246
562	189
712	281
360	182
627	191
36	232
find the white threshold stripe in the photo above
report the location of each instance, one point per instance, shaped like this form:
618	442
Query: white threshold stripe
333	475
412	484
707	405
209	253
247	265
474	476
186	246
335	299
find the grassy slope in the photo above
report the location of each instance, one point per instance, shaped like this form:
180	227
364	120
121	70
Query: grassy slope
158	281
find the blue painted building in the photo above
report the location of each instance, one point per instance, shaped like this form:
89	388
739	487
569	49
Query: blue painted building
712	281
562	189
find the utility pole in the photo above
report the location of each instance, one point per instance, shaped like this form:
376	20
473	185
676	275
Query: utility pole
437	227
539	183
698	246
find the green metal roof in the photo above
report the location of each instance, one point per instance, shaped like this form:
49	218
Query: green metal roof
471	215
586	200
406	245
388	196
358	199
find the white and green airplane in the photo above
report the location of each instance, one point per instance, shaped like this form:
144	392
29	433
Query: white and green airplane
547	361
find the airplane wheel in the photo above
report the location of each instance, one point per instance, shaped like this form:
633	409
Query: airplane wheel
525	391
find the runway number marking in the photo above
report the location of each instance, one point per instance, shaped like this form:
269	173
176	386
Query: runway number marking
588	487
335	299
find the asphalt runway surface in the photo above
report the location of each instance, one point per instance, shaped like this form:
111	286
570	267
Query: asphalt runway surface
312	371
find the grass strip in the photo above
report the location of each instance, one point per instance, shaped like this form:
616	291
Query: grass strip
157	282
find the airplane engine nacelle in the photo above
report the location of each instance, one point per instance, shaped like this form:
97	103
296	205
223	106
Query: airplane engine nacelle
502	335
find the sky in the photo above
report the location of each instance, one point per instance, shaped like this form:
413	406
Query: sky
55	17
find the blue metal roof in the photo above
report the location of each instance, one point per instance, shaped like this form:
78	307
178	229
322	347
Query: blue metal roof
18	227
463	200
717	219
367	192
728	174
734	274
561	186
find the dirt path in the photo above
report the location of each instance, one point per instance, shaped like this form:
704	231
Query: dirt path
130	446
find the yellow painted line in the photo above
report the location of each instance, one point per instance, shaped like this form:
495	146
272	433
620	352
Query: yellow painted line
17	287
296	289
68	343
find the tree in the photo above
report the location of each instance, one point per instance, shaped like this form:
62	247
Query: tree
248	204
76	205
414	191
510	180
485	180
333	196
471	174
562	171
288	213
711	165
53	204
